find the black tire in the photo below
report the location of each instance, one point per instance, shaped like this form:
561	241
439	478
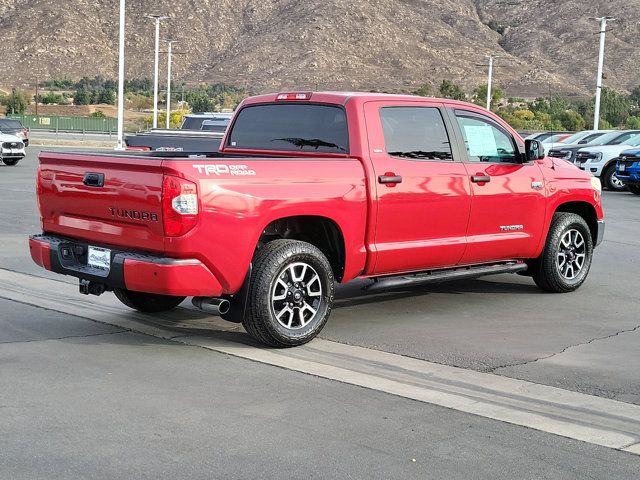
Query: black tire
11	161
609	180
635	189
547	271
147	302
271	278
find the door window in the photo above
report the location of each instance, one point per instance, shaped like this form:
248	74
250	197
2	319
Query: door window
485	142
417	133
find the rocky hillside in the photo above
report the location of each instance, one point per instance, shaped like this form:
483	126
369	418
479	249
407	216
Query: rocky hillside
329	44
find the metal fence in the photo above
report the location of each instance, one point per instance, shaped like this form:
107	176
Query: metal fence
55	123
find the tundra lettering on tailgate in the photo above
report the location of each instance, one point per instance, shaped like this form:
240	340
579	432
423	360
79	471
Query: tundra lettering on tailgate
134	214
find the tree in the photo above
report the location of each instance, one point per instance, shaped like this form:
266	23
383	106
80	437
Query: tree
82	96
199	101
448	89
51	98
16	102
480	96
632	123
106	96
424	90
635	97
615	107
572	120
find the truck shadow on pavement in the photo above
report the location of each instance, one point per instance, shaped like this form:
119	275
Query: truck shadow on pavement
356	294
186	321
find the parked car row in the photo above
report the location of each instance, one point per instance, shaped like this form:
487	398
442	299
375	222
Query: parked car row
13	140
595	151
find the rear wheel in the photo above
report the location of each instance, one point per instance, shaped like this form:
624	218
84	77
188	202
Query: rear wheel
11	161
610	181
566	259
291	293
147	302
635	189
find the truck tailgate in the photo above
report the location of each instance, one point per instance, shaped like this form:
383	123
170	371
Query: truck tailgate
106	199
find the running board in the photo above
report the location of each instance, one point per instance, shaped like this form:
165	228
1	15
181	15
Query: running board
436	276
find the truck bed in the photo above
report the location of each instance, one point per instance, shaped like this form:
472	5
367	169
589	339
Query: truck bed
237	197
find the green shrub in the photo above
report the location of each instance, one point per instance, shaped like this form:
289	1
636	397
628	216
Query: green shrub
451	90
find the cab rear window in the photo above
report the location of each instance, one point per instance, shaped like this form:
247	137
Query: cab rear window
291	127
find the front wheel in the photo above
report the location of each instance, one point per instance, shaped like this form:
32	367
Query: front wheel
147	302
291	293
635	189
11	161
566	258
610	181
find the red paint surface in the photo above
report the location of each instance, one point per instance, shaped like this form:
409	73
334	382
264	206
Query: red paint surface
192	279
40	253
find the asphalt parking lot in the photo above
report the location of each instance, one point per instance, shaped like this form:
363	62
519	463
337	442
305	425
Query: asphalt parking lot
91	395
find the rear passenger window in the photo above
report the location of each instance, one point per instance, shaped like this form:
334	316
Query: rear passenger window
418	133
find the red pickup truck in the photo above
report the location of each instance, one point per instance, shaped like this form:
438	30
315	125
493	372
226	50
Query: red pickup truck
310	189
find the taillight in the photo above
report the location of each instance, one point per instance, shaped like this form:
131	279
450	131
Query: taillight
179	205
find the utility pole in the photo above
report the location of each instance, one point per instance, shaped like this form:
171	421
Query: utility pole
120	142
491	59
156	68
37	96
603	31
169	53
490	79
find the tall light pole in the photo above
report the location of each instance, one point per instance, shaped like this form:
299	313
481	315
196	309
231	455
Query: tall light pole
120	142
491	59
489	81
156	67
603	31
170	42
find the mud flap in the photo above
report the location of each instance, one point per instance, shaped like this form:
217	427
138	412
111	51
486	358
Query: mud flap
240	301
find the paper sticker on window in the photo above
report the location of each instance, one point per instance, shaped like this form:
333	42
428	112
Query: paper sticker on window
480	141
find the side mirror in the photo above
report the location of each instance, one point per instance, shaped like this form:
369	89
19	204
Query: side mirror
534	149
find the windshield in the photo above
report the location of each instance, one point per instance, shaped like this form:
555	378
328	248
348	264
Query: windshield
215	125
10	124
612	138
553	139
300	127
576	137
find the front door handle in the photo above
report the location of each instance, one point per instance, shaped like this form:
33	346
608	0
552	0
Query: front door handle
389	178
480	178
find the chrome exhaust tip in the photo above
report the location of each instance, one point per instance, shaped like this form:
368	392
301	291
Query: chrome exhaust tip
212	305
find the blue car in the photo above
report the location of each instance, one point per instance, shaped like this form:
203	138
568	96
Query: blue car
628	169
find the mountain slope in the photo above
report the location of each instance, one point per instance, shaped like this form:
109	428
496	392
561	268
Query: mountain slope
329	44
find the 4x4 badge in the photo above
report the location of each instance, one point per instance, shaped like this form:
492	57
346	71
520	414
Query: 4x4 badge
537	185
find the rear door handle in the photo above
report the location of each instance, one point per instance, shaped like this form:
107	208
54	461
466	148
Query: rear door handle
480	178
93	179
389	178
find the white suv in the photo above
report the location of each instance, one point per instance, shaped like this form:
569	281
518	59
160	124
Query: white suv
600	160
11	149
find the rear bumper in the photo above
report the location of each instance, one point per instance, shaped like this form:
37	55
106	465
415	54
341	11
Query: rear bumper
137	271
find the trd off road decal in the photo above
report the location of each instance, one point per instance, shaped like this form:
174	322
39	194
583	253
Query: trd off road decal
224	169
